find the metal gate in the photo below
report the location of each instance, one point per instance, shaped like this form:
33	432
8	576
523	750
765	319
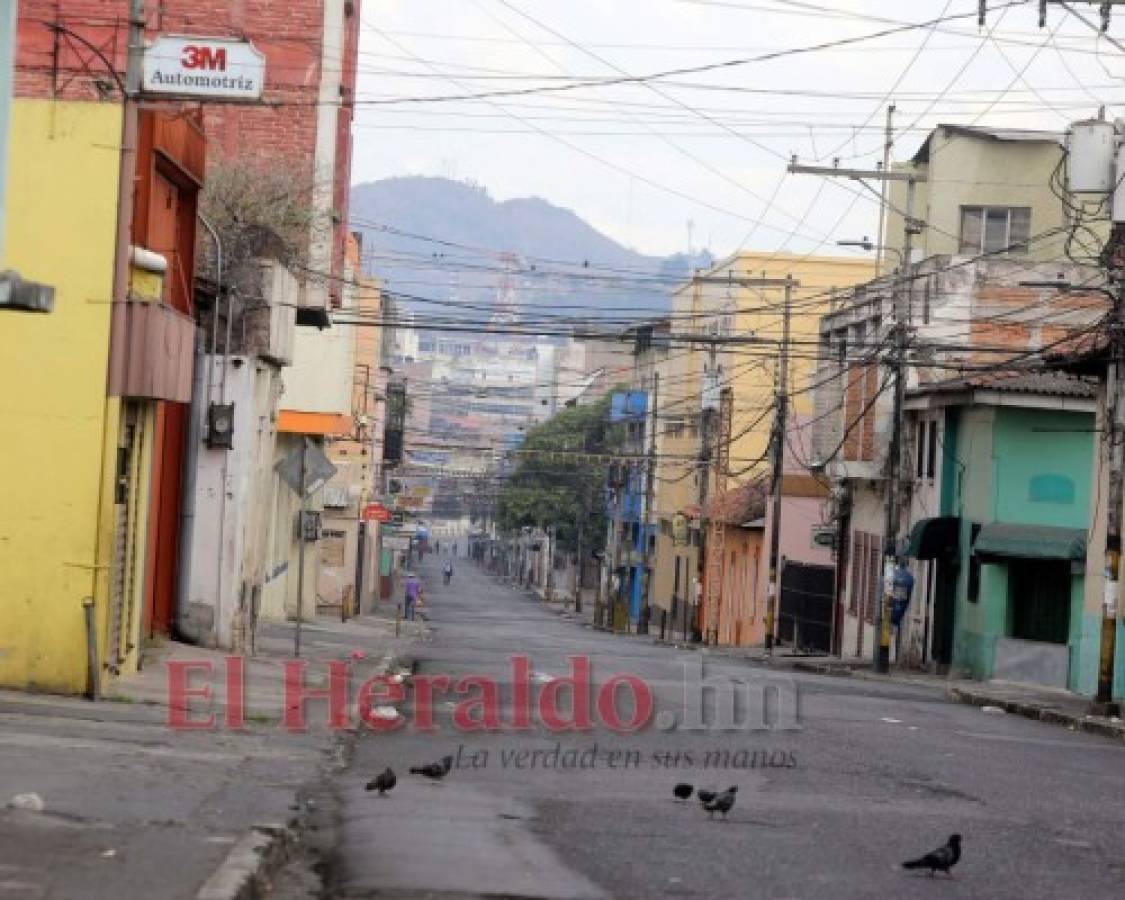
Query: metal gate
805	614
127	521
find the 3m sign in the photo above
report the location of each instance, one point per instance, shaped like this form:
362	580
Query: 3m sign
203	67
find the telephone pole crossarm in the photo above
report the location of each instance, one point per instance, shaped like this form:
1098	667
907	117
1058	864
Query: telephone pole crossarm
855	174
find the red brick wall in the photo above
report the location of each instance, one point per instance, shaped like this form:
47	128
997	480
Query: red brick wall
279	132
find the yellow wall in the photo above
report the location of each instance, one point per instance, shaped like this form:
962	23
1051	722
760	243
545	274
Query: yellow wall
57	429
751	370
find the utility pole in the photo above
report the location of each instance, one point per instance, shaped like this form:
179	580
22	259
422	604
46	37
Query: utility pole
888	143
1104	704
902	306
712	398
1094	170
127	169
903	291
301	547
650	487
773	588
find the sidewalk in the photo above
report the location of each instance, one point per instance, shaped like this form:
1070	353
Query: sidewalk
1041	704
126	806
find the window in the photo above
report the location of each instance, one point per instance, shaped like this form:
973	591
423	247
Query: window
974	568
995	229
926	450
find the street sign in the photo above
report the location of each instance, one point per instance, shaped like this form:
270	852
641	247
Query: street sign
680	534
318	468
215	68
376	512
823	537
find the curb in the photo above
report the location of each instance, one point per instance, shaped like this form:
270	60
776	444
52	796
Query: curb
1041	714
244	874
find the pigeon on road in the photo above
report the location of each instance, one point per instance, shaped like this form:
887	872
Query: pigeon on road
682	791
723	803
705	797
942	859
436	771
383	782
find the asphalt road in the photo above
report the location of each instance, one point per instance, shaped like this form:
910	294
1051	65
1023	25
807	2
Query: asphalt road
874	774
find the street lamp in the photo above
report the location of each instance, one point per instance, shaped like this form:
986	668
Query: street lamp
869	245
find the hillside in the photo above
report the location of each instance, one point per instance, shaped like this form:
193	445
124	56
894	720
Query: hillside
446	239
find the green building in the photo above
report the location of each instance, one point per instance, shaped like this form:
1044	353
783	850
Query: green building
1008	542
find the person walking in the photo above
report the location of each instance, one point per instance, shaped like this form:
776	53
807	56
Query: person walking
413	594
447	571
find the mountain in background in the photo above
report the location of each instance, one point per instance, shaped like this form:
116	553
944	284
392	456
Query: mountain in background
438	239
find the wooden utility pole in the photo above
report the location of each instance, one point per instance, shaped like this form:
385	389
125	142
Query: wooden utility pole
709	570
888	144
650	486
903	290
773	587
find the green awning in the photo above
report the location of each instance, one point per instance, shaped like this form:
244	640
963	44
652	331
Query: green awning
1001	540
933	538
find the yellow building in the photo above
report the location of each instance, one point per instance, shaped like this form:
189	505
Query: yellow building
58	429
719	304
750	369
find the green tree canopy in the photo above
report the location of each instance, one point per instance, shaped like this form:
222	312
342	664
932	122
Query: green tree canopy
565	490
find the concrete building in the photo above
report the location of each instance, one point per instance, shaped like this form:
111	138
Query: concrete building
351	552
970	313
985	189
99	537
1005	548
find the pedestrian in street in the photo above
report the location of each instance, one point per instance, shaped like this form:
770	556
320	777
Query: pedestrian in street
413	594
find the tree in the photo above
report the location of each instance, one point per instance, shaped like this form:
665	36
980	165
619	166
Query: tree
261	212
566	490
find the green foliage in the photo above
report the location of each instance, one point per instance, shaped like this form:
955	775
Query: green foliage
566	491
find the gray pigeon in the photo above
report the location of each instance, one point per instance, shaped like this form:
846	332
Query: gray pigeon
383	782
723	803
942	859
705	797
436	771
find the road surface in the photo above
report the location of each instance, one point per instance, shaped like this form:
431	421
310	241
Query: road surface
875	773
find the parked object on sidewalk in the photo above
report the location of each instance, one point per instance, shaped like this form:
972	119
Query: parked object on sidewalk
383	782
436	771
682	791
32	802
723	803
943	859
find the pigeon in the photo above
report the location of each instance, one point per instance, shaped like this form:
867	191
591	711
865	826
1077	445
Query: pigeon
682	791
722	803
436	771
383	782
944	857
705	797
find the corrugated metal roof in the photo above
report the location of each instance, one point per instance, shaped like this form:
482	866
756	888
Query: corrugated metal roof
1049	384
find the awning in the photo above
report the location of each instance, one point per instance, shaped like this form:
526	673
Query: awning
291	421
1001	540
933	538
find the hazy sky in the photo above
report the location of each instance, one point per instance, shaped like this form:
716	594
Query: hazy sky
640	161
